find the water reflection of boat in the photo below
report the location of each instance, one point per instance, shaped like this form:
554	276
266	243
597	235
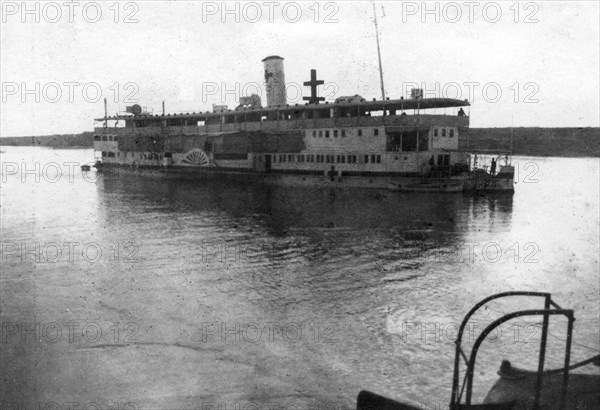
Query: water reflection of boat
516	388
426	186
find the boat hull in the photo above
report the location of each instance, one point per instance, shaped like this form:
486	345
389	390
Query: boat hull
378	181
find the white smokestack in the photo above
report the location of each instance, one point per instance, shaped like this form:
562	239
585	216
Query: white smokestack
275	81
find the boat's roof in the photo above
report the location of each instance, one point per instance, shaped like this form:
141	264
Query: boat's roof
399	105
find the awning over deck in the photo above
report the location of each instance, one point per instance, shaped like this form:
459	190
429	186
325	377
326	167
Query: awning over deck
362	106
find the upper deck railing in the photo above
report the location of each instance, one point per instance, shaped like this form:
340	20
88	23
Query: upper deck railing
422	120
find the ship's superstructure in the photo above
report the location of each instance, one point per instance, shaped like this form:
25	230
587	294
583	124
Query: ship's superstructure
351	142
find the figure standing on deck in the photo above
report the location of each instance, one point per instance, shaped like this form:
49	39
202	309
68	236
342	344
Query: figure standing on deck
493	168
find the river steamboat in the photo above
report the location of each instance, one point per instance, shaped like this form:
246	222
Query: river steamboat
403	144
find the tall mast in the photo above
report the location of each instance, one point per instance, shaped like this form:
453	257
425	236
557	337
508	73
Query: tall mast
105	114
378	53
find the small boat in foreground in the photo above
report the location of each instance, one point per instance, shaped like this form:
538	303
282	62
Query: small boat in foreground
516	389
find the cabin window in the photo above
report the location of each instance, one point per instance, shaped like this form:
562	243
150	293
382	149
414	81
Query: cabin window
300	158
282	158
103	153
290	158
320	134
443	132
378	158
451	133
435	132
115	138
314	133
168	155
359	132
327	134
353	159
335	133
110	154
343	133
96	137
366	159
372	158
104	138
343	159
376	131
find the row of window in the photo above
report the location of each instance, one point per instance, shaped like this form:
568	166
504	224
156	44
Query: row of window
328	158
443	132
315	134
342	133
106	138
150	155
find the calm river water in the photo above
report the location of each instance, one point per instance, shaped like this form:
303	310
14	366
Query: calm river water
135	292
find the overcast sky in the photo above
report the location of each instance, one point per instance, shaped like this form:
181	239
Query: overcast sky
543	58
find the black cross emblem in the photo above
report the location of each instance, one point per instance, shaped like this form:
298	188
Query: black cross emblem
331	173
313	84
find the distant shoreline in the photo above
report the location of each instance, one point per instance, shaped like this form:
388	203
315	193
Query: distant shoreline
570	142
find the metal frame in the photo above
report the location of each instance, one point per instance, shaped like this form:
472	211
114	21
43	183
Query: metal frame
550	308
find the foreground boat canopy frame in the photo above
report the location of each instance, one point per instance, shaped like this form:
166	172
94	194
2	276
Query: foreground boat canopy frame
550	308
